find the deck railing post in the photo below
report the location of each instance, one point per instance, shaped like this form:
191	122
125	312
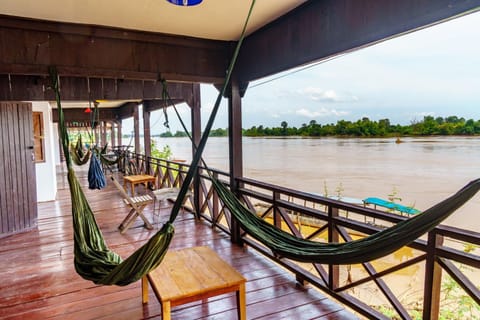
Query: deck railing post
216	203
333	236
276	214
433	278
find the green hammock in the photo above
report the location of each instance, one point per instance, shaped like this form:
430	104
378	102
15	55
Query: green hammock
366	249
93	259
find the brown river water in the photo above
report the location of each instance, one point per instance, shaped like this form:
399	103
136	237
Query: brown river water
420	171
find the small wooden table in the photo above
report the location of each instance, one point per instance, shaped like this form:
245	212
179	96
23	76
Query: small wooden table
193	274
137	179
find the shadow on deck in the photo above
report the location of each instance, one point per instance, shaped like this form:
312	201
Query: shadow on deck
39	280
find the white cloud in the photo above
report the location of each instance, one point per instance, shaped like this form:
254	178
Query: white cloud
323	112
330	95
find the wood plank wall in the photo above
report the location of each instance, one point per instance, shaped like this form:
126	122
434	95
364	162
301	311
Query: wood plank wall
18	199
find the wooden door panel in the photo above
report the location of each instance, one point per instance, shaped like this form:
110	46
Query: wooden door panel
18	200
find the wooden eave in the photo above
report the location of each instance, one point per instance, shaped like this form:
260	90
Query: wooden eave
318	30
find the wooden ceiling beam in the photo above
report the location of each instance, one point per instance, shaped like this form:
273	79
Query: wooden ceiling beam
318	30
29	47
37	88
79	115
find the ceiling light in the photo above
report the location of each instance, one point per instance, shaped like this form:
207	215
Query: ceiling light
185	2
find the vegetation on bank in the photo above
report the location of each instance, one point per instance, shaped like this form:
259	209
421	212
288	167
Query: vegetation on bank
367	128
428	126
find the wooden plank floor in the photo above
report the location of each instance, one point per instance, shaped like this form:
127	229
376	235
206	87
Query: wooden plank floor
38	280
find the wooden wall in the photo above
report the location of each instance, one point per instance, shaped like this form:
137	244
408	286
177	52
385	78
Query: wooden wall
18	200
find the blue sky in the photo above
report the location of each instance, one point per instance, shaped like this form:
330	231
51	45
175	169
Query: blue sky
434	71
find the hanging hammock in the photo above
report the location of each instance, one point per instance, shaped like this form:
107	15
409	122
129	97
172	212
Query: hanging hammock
93	259
80	154
366	249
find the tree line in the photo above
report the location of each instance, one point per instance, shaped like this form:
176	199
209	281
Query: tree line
364	127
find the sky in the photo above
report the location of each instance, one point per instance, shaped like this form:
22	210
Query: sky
434	71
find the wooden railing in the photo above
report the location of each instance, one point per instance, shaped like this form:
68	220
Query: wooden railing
441	270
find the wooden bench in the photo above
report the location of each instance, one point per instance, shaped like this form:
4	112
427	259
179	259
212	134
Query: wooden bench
193	274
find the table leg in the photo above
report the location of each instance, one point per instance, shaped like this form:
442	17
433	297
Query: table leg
144	289
241	302
166	315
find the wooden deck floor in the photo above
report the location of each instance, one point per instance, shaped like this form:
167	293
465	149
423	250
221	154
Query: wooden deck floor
38	280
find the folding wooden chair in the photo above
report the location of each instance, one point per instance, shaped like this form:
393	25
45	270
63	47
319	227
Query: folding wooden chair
137	204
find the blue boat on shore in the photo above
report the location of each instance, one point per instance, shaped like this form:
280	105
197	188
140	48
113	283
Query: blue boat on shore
390	205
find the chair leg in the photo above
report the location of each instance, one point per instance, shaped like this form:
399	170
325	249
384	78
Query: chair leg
131	217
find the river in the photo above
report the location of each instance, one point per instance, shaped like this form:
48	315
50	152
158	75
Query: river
420	171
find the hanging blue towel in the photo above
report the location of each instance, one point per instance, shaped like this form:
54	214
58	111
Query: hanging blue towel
96	177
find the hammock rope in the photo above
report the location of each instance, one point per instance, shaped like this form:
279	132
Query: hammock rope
93	259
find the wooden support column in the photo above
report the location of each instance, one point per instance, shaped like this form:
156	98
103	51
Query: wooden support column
119	133
112	134
96	134
136	129
146	135
235	147
195	106
103	128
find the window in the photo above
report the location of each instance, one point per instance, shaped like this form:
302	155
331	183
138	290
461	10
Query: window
38	137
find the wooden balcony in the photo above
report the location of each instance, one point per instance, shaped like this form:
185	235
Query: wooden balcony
434	276
39	280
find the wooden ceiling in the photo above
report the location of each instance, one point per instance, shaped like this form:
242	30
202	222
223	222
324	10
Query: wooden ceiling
119	50
211	19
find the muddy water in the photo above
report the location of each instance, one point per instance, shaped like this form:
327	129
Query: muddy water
420	171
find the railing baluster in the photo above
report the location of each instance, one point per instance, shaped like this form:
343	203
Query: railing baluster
433	279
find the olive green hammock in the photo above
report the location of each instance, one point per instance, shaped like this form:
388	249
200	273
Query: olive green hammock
366	249
93	259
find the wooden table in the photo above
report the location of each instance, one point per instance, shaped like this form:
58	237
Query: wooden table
137	179
193	274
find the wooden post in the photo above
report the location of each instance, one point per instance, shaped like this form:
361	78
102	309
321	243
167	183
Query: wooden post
146	136
196	124
333	236
235	148
433	279
112	134
119	133
103	128
136	129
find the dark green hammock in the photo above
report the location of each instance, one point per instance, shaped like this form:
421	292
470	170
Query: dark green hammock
366	249
93	259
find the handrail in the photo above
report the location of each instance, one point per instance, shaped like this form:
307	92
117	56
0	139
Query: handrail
441	249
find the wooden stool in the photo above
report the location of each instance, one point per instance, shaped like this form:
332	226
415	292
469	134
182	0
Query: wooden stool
193	274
